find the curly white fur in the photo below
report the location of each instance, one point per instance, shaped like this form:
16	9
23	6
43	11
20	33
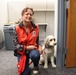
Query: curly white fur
48	51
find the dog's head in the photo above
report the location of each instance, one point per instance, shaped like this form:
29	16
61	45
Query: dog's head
50	41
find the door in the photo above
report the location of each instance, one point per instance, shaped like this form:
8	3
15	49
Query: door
71	35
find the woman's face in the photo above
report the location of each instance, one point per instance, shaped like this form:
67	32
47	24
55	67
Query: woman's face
27	16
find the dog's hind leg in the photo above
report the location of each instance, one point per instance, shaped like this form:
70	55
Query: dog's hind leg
52	61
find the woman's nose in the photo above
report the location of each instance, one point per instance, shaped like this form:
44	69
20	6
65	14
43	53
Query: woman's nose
29	15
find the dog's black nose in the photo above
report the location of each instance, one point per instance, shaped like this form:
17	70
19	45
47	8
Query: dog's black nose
55	43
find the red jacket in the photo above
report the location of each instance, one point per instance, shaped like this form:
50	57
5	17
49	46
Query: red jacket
26	39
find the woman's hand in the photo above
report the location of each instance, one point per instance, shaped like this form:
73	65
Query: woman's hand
40	49
31	47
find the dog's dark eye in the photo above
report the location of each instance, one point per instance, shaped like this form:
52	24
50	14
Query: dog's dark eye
54	39
50	39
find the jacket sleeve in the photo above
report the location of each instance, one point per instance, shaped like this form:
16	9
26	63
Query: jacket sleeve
37	41
17	46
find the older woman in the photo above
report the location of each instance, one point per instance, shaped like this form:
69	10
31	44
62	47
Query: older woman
26	42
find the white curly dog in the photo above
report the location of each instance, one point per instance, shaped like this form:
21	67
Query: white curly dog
48	51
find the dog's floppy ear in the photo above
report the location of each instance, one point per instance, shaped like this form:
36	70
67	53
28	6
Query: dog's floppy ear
46	43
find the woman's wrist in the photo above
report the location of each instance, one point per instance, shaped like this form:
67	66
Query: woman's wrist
26	47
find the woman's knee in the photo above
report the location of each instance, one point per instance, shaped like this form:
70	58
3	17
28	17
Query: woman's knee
34	54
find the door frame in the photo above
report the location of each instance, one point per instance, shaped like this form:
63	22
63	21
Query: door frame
61	34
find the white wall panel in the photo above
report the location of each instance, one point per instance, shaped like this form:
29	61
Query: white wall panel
50	4
3	14
36	4
14	10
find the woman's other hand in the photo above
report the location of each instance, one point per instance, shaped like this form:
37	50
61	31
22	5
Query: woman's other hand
31	47
40	49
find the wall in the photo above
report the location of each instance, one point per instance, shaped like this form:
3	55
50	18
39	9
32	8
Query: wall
3	13
14	10
3	17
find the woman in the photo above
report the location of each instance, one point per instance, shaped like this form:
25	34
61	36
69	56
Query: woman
26	42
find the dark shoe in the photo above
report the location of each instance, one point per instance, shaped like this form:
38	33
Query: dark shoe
36	70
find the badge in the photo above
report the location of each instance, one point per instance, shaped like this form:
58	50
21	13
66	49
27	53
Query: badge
34	33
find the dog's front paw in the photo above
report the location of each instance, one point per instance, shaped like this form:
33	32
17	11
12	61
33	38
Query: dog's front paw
53	65
45	67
